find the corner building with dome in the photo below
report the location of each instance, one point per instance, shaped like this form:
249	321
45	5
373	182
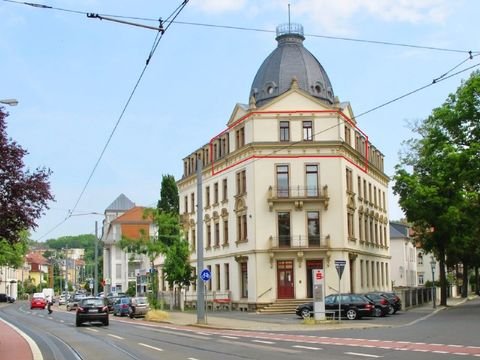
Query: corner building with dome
291	185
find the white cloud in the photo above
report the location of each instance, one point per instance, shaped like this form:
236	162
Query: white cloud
219	6
338	16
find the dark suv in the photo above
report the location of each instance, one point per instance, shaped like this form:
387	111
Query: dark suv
382	304
353	306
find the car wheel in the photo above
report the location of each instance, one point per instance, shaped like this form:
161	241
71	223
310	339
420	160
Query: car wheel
378	312
391	310
305	313
105	323
351	314
78	323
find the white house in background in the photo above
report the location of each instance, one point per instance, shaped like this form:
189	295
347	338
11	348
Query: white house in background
424	267
123	219
404	256
292	184
8	281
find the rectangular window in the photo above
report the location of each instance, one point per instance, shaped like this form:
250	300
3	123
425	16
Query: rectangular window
307	131
367	272
217	277
420	279
242	228
185	204
350	225
359	187
244	279
282	181
194	240
240	137
365	190
225	232
349	180
194	274
227	276
312	180
118	271
241	182
365	228
192	199
209	282
225	190
283	222
313	225
215	193
207	196
360	227
217	234
362	280
348	138
209	236
284	131
373	273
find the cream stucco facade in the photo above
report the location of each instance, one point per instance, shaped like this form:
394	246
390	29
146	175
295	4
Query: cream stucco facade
287	188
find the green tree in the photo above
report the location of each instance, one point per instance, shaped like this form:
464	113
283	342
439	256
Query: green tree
438	178
13	254
177	265
167	214
168	195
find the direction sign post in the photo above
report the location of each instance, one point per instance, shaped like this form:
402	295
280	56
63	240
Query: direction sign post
340	266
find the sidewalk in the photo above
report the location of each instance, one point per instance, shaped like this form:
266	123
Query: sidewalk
222	320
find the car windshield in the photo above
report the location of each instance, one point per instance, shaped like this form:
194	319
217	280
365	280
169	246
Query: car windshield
92	302
141	300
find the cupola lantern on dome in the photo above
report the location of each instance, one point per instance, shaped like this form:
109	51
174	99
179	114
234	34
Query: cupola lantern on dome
288	61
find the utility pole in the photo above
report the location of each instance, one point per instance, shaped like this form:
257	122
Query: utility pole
95	283
200	284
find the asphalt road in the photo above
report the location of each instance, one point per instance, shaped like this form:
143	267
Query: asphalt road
449	334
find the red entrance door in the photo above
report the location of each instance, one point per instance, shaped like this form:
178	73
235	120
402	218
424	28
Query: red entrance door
285	282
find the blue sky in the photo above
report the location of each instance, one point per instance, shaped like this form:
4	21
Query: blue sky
72	76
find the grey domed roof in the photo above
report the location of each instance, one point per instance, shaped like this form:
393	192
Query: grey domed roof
290	60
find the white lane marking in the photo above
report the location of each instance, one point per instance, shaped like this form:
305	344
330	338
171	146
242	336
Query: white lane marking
229	337
364	355
62	321
116	336
306	347
90	329
263	341
150	347
192	359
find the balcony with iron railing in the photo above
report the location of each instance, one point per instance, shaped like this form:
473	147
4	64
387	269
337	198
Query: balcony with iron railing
297	195
296	242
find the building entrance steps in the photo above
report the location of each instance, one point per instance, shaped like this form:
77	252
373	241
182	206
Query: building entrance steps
283	306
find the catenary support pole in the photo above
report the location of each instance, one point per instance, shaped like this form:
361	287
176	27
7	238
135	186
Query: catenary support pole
200	285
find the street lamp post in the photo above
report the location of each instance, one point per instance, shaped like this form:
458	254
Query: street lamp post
433	264
11	102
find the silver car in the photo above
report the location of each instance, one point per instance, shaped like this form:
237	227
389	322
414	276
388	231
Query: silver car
138	307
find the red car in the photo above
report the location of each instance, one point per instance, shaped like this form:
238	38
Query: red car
38	302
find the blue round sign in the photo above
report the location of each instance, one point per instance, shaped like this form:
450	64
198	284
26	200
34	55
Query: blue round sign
205	275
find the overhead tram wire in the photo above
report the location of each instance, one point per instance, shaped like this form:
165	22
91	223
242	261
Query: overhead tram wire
242	28
434	82
158	38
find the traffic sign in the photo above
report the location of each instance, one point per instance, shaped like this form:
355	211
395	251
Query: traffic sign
340	266
205	275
